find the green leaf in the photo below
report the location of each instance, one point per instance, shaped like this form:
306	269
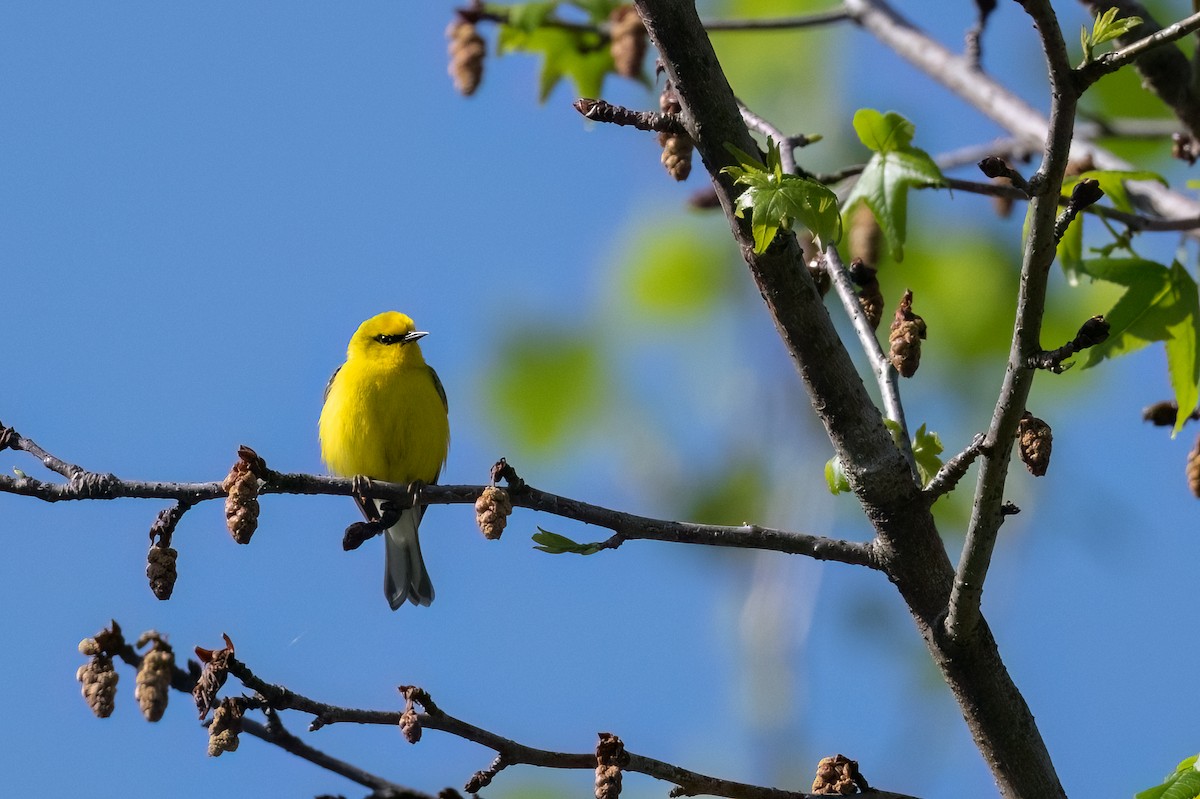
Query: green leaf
1107	27
778	199
883	133
1183	342
927	447
556	544
835	476
1184	783
578	54
1135	320
895	168
1160	304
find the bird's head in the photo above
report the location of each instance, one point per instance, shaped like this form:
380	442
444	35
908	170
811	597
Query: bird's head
390	336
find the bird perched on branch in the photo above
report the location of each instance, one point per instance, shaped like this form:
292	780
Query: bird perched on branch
385	417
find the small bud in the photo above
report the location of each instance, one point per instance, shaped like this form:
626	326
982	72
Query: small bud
1092	332
1193	469
160	570
154	676
628	43
491	511
1034	441
225	727
467	50
908	329
1086	192
994	167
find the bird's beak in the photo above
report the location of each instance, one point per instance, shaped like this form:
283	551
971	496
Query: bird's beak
413	336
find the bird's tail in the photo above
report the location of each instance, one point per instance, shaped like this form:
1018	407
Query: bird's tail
406	578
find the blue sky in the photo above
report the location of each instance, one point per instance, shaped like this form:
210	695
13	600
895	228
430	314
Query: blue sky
199	205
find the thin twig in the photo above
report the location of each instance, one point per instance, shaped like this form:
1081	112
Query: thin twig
885	373
601	111
510	752
780	23
953	470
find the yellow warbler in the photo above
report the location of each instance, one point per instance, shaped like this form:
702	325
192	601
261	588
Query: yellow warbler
385	418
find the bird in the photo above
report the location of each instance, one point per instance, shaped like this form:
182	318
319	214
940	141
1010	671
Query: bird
385	417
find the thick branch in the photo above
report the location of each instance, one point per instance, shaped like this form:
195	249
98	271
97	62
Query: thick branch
908	544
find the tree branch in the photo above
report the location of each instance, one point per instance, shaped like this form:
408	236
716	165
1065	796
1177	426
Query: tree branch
1040	247
626	526
907	542
277	698
1002	106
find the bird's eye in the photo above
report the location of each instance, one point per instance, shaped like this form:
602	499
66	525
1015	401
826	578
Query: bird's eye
384	338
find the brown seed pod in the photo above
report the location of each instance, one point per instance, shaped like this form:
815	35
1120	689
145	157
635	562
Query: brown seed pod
491	512
1193	469
160	570
99	680
410	724
869	294
212	677
908	329
241	502
865	235
154	676
677	150
1034	441
838	776
628	42
225	727
611	757
467	49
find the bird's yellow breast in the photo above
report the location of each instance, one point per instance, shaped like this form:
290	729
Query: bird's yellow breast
386	421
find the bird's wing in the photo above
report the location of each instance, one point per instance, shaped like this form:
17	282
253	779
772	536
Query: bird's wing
333	377
437	383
